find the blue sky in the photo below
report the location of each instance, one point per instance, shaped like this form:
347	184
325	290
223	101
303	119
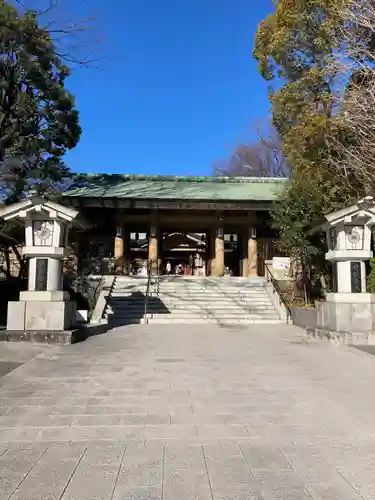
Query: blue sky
176	87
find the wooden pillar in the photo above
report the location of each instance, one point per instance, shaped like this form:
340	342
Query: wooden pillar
252	253
160	250
118	251
153	247
210	253
218	268
126	251
245	249
121	251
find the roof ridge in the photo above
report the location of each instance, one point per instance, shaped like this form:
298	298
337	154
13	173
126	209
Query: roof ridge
186	178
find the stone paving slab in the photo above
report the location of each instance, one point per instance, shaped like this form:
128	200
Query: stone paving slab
154	412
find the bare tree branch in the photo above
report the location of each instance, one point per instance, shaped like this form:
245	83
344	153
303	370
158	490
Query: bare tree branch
76	39
351	136
262	157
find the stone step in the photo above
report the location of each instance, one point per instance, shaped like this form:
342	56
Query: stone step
118	306
204	290
200	320
129	289
192	300
194	283
211	288
196	310
177	321
221	313
209	298
202	283
136	294
193	307
183	294
172	299
209	282
208	286
165	307
203	314
218	322
200	297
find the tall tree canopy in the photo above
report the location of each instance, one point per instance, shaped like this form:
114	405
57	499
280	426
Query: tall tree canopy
295	47
319	55
38	118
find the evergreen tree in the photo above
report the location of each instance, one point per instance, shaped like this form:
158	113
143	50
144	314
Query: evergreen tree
38	119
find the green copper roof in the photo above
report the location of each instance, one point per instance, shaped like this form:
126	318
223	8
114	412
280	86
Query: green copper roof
148	187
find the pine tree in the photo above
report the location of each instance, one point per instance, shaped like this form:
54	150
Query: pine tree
38	119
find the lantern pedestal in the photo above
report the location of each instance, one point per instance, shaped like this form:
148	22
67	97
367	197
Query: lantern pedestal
347	318
41	315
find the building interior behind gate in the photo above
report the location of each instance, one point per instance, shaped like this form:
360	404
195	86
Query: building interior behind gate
189	253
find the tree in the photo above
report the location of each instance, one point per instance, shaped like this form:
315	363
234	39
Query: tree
295	46
298	47
321	53
260	158
38	118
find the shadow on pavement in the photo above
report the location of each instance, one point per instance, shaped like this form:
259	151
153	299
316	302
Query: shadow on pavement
370	349
7	366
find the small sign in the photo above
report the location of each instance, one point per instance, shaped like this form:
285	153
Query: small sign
41	273
356	278
281	263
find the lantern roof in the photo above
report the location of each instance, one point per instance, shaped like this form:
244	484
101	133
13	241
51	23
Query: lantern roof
22	210
364	209
363	212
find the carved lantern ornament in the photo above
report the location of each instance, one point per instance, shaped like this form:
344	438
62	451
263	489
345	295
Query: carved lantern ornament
354	237
43	233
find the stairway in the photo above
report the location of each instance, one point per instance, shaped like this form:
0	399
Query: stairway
224	301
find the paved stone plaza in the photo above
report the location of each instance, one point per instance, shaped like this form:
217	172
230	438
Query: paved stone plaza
175	413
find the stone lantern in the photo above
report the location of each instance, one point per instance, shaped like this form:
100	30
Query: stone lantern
348	234
44	306
349	308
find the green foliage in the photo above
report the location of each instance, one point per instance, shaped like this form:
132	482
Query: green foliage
300	209
371	277
38	119
296	46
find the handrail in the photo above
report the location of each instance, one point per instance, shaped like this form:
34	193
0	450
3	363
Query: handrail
149	272
109	294
276	288
157	283
80	283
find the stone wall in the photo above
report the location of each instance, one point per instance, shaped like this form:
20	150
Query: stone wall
304	317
